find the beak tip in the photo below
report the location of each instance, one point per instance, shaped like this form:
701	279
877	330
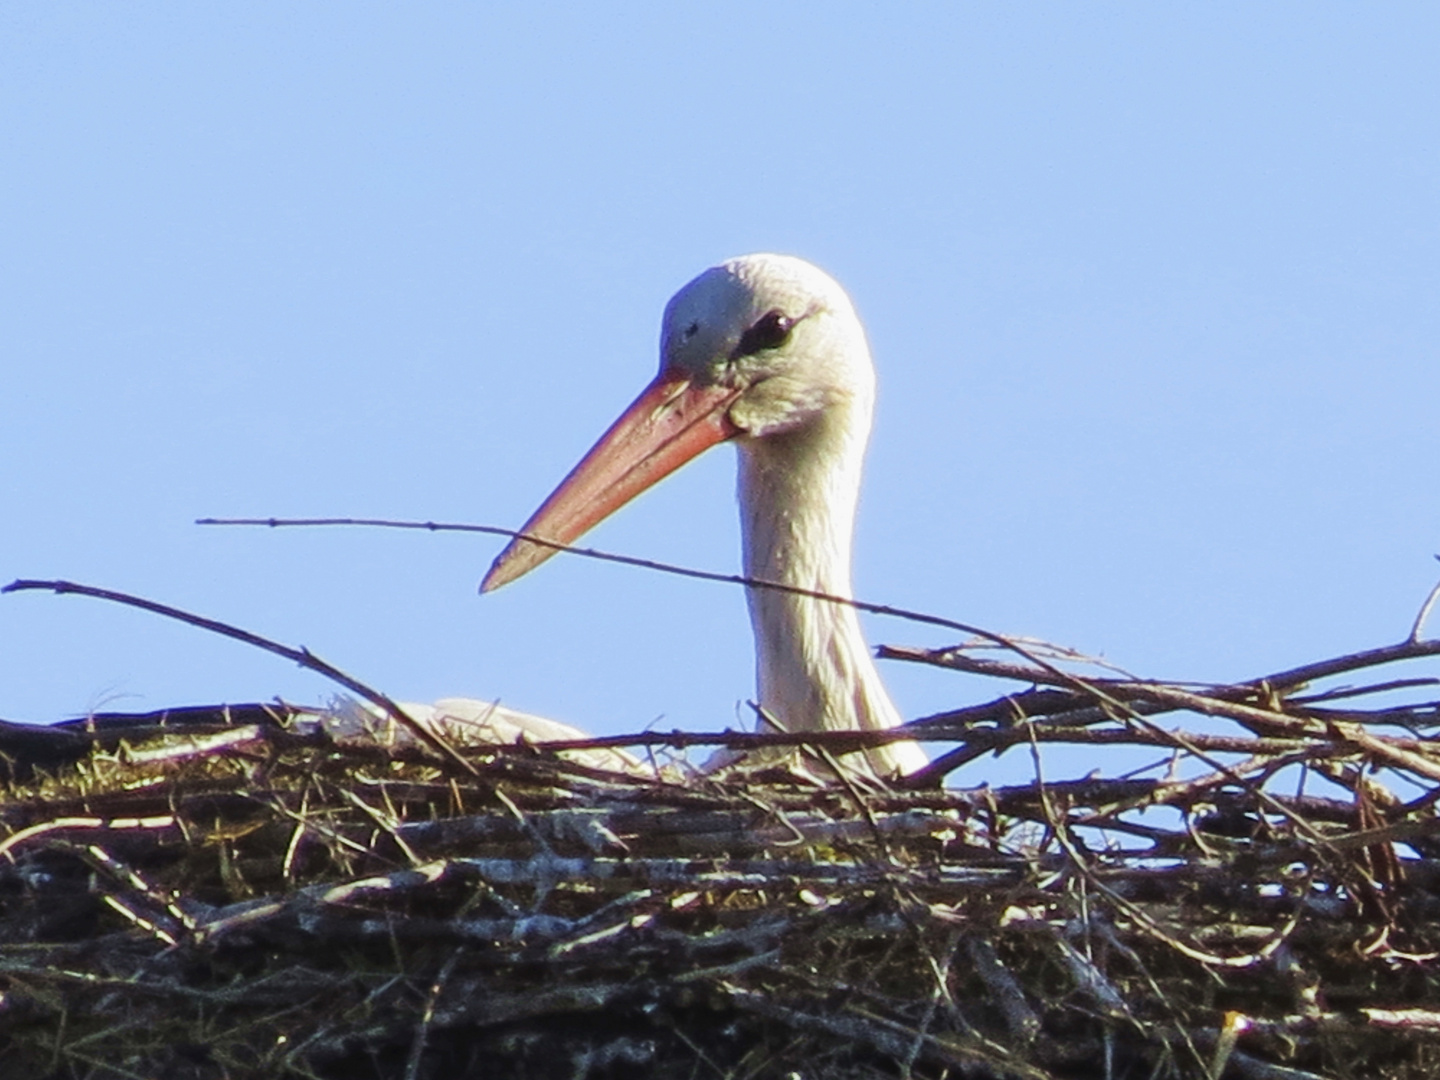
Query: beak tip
494	577
517	560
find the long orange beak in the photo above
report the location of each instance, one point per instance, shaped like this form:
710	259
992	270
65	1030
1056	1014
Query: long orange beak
672	421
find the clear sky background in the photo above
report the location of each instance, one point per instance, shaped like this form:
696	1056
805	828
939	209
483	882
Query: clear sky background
1152	291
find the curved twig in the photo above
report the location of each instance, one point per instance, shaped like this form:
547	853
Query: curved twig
302	656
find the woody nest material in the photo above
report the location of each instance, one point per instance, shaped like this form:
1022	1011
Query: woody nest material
253	892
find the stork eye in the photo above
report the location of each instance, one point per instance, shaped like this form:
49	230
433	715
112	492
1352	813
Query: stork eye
691	330
770	331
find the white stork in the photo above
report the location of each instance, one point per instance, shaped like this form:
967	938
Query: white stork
765	351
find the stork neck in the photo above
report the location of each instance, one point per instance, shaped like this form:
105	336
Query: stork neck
798	493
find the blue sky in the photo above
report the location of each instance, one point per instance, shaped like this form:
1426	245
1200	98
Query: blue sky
1152	291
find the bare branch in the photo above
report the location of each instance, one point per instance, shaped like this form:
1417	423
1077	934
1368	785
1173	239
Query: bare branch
302	656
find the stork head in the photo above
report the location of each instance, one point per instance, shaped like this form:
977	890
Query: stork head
776	328
753	348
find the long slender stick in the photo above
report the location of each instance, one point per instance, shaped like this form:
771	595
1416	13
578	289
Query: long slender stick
644	564
302	656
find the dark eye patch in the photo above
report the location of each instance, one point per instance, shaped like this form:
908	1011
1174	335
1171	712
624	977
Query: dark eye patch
770	331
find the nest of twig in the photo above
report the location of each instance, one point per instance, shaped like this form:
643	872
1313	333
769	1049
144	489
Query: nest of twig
243	892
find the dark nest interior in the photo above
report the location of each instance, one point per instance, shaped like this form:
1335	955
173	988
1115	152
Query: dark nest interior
253	892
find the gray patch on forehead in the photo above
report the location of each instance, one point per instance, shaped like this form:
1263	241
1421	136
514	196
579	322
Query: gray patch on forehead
702	316
717	295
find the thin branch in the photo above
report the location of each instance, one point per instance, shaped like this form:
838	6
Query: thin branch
302	656
1425	609
1409	649
1306	673
888	610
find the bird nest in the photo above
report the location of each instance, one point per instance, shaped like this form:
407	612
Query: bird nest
253	892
